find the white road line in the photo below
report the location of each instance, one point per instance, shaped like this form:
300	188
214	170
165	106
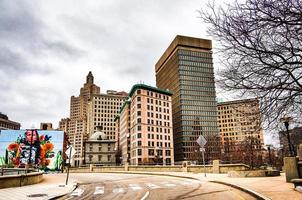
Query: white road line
152	186
145	196
78	192
169	184
135	187
99	190
118	190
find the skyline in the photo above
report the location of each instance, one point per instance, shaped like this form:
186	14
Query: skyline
47	49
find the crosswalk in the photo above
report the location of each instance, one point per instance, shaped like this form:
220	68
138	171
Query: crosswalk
134	187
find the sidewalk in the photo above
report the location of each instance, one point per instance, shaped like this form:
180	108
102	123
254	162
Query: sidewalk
52	185
271	187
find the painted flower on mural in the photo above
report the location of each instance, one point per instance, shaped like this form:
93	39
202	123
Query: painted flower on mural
31	148
13	147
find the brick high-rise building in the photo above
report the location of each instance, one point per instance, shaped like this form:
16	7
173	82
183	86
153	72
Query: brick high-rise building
186	69
146	135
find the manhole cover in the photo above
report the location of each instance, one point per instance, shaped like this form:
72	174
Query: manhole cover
36	195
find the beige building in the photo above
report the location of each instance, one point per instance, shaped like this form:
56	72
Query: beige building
77	123
99	149
186	69
239	120
6	124
89	110
103	108
146	134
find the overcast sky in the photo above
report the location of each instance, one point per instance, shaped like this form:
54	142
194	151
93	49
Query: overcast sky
48	47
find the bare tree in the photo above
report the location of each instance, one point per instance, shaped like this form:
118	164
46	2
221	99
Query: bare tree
249	151
260	48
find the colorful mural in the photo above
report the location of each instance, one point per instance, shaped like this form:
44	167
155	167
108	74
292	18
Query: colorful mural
37	148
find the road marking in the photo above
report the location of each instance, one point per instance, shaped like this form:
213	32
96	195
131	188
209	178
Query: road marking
99	190
135	187
152	186
118	190
167	184
78	192
145	196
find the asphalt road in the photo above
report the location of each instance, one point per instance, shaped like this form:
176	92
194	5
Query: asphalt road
146	187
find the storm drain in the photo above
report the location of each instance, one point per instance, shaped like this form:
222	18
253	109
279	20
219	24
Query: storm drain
36	195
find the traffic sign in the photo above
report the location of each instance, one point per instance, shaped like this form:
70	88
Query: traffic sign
201	141
70	152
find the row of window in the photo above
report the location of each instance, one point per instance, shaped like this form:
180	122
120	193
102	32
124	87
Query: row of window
196	69
197	64
151	152
194	53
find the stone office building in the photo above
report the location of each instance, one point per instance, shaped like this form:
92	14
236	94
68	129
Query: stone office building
186	69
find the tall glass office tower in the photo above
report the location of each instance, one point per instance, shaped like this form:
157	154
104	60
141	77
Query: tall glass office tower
186	69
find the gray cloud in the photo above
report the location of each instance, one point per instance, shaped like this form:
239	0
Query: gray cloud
48	47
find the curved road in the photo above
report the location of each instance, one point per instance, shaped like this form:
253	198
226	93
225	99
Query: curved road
147	187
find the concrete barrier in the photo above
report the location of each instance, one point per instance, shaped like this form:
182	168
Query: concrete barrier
218	168
253	173
20	179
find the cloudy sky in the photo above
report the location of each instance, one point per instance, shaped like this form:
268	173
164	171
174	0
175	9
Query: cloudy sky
48	47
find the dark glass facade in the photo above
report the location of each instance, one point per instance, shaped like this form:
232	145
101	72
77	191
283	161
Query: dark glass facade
186	68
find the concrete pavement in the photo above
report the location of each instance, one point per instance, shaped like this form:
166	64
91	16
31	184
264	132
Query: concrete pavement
52	185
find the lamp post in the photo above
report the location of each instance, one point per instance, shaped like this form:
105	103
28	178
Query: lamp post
286	121
269	154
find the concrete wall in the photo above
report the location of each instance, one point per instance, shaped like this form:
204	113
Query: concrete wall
20	180
218	168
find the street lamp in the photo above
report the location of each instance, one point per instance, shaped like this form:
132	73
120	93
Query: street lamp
269	153
286	121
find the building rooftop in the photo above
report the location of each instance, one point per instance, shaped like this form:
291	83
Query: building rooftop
147	87
237	101
183	41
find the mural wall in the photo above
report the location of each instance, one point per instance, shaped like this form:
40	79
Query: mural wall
38	148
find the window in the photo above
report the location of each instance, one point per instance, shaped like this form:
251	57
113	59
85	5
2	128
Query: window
139	106
139	120
108	157
168	152
138	99
90	157
139	135
138	92
138	113
100	157
151	152
139	152
139	128
139	143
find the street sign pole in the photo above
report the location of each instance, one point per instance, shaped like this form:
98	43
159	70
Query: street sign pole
204	164
70	147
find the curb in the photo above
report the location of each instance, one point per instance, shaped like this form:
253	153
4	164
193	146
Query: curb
249	191
61	195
